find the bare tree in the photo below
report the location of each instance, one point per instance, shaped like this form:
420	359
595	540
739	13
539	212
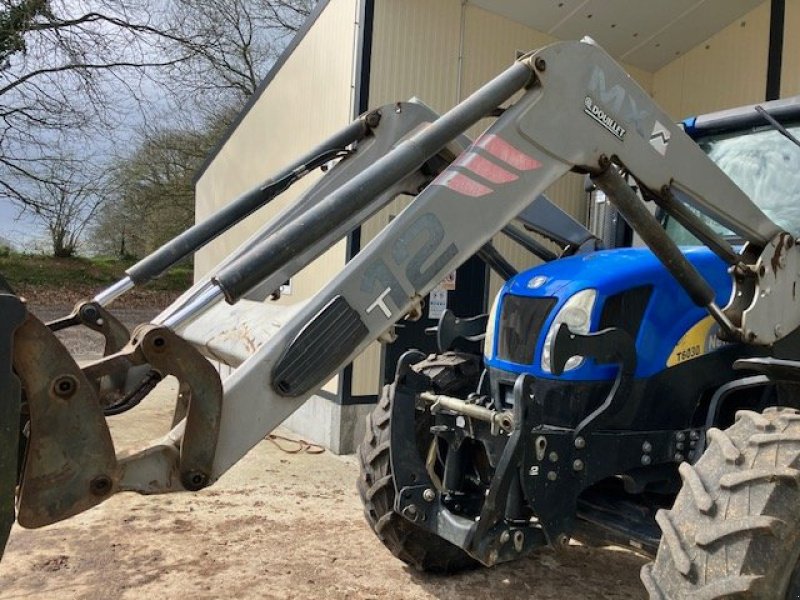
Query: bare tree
57	59
73	71
151	192
231	44
66	203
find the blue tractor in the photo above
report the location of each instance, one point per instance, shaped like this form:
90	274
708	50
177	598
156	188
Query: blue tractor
607	406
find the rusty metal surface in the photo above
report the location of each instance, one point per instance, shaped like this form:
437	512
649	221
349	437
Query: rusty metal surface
70	462
13	314
98	319
201	389
94	316
200	400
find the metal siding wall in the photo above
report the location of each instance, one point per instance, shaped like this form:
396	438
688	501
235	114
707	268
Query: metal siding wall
309	98
729	69
416	53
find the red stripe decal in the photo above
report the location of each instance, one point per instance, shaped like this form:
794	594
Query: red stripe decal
485	168
501	149
458	182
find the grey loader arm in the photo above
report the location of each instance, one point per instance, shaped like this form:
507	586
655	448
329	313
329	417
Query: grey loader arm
549	131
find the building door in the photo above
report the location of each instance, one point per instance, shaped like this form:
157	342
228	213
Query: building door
466	299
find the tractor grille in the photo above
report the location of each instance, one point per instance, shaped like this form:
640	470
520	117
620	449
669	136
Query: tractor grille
626	309
521	320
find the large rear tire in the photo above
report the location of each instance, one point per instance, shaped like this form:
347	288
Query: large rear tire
411	544
734	530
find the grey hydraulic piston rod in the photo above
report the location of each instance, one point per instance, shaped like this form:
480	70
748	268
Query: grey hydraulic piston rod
630	207
250	269
202	233
502	420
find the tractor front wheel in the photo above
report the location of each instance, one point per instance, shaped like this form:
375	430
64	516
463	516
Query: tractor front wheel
408	542
734	530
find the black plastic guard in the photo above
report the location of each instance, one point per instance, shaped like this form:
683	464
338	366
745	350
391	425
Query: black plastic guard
12	314
323	343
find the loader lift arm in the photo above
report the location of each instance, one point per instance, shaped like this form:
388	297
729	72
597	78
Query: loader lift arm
578	111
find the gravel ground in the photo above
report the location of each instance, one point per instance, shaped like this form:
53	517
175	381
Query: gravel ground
277	525
83	342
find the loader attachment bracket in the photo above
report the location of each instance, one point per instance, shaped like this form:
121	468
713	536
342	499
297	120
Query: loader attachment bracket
71	463
13	311
70	457
199	397
493	538
94	316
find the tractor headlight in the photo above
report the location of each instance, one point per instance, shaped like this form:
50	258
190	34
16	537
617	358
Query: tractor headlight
577	314
491	326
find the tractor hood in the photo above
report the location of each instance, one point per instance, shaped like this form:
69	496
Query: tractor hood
633	291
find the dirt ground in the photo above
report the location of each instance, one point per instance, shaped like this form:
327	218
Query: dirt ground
277	525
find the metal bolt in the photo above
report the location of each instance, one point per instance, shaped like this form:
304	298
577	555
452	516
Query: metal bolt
89	313
373	118
533	471
679	445
65	386
678	457
194	480
504	537
577	464
680	436
647	447
694	435
519	540
553	457
428	495
580	443
778	330
410	512
100	485
552	476
646	459
540	64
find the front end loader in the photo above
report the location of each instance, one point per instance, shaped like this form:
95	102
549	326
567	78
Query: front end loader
606	377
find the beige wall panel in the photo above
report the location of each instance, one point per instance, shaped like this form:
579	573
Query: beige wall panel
414	53
309	98
727	70
790	69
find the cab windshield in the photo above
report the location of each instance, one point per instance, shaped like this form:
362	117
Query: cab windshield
765	165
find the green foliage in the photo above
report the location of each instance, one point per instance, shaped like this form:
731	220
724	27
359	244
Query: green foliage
26	271
16	19
151	194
